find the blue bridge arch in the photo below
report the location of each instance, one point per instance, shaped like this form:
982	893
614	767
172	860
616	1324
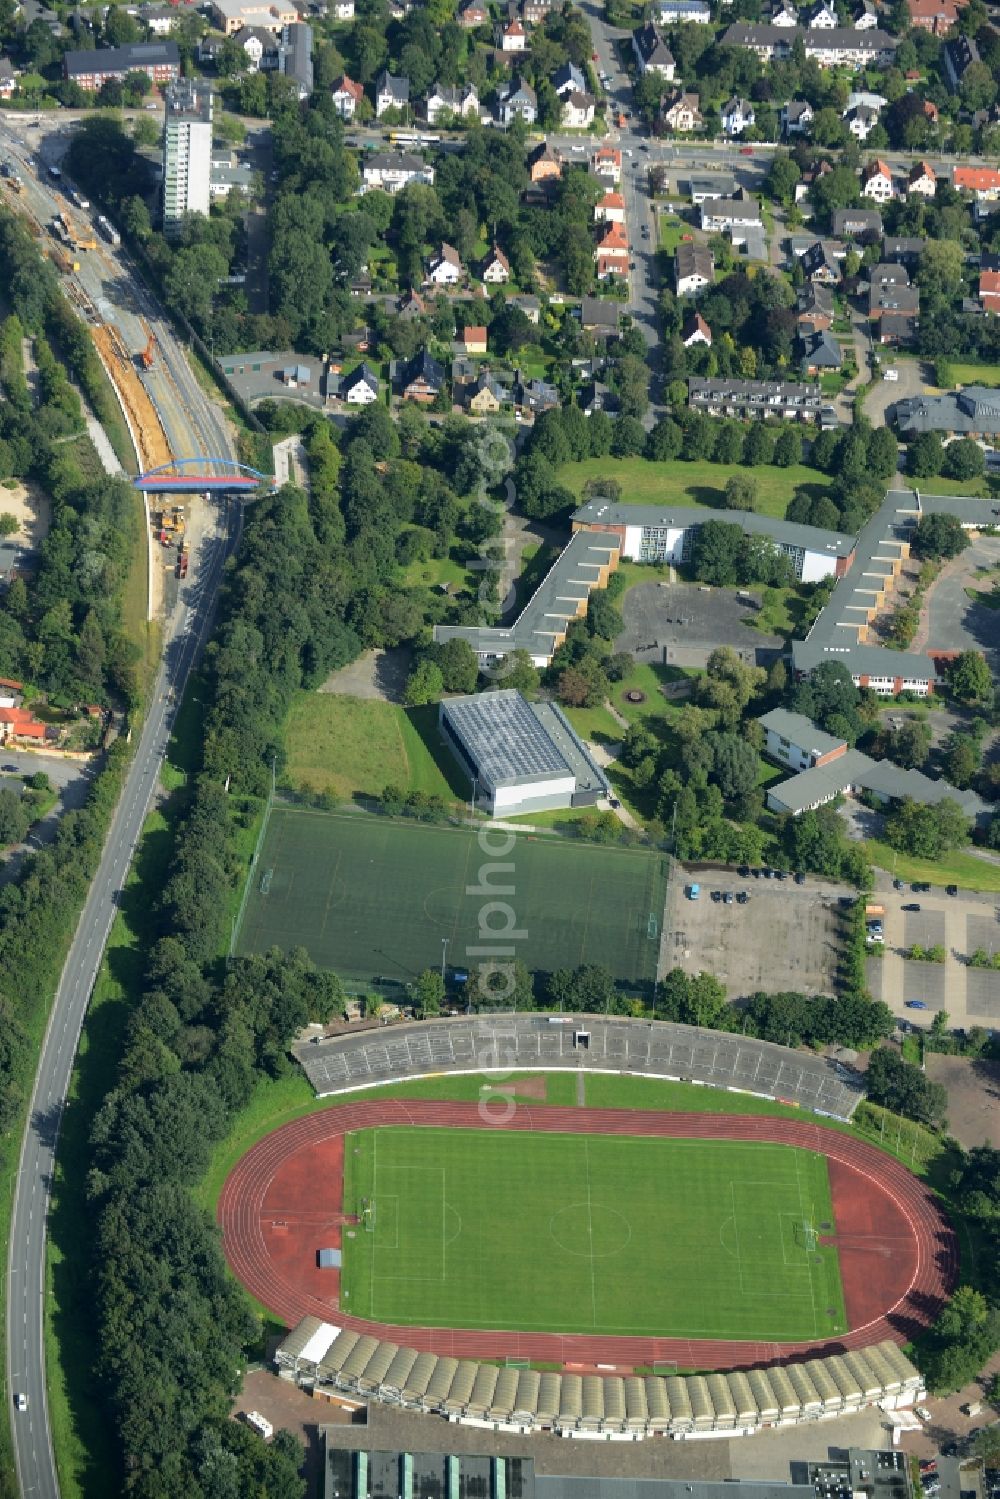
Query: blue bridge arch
167	480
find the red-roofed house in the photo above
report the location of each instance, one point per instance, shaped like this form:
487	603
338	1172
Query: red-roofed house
496	267
937	16
696	331
921	180
876	182
513	37
607	162
989	291
610	210
20	723
346	96
474	340
611	252
984	182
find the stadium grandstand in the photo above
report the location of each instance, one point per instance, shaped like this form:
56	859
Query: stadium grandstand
326	1359
523	1043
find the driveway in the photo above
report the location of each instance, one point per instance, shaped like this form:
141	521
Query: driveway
72	780
878	402
376	674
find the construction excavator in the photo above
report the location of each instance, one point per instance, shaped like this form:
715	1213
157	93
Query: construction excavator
148	355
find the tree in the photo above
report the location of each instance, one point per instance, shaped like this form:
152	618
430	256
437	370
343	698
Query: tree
902	1088
714	550
939	536
589	989
970	679
925	456
501	985
926	832
964	460
425	684
784	173
428	992
516	670
788	447
960	759
741	492
458	664
9	524
758	447
583	685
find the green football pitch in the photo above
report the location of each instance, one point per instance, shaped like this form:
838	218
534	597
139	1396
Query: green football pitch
590	1234
370	897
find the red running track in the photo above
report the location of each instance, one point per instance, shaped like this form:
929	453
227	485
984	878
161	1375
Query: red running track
899	1257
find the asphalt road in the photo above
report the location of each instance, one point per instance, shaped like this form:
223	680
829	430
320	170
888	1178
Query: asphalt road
194	426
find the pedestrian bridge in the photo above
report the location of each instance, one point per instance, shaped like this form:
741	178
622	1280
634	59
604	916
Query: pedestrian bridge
183	475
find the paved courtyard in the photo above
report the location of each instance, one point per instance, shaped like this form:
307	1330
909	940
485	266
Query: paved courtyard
787	936
680	624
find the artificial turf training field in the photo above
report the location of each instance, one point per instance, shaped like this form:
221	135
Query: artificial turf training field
369	896
590	1234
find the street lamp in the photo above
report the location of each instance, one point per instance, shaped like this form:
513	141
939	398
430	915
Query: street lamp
472	804
444	956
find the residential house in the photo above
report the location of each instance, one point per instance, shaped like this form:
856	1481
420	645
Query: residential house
856	223
982	182
694	269
611	252
495	269
294	58
733	214
989	291
696	331
821	17
865	16
820	264
813	310
391	93
535	12
359	388
937	16
599	317
544	164
422	379
922	180
821	355
159	19
529	305
443	100
391	171
20	723
534	395
445	268
230	16
906	249
512	37
610	209
861	121
569	79
607	162
836	47
652	53
411	305
8	79
796	117
677	12
342	10
472	15
680	112
713	185
876	182
577	112
596	396
958	55
865	96
474	340
760	398
346	96
889	273
736	115
893	311
255	43
783	13
517	100
208	50
484	396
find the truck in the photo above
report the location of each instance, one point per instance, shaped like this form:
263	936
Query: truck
182	563
108	230
64	260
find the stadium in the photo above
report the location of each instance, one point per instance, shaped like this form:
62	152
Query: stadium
429	1251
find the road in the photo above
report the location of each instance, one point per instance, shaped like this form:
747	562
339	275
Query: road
193	425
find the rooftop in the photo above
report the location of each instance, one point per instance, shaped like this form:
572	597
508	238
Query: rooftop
784	532
800	731
823	782
511	742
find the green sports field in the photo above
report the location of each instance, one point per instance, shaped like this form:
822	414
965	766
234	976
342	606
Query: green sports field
590	1234
370	897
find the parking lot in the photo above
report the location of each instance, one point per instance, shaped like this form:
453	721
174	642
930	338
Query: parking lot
680	624
786	936
960	924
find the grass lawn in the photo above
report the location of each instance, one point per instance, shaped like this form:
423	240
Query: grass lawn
699	485
607	1091
976	374
623	1234
434	572
372	897
947	486
669	231
956	868
357	746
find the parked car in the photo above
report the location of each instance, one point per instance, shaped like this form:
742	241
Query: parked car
694	891
952	889
914	905
716	895
800	878
744	871
727	899
742	898
915	1004
890	375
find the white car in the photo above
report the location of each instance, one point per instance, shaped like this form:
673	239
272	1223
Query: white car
891	375
21	1401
